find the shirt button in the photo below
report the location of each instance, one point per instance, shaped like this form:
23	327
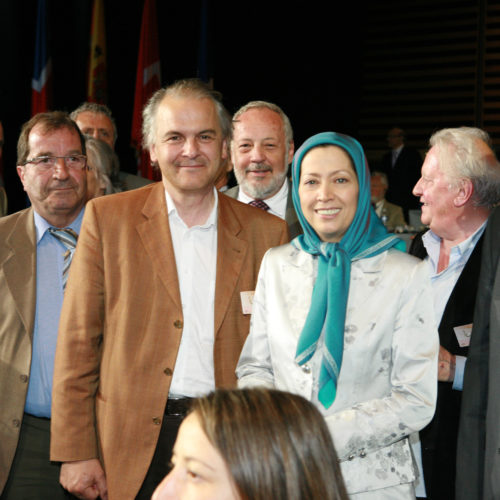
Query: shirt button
362	453
168	371
156	421
23	378
16	422
351	457
306	369
178	323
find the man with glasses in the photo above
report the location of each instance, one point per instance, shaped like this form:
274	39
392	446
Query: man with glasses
36	246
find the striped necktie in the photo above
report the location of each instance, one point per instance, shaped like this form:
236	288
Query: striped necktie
259	204
68	238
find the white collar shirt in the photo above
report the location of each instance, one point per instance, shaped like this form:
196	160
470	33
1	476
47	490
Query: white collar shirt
195	250
277	202
395	153
379	205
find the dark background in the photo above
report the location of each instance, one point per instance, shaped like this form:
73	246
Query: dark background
302	55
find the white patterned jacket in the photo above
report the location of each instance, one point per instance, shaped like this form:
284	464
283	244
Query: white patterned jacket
388	379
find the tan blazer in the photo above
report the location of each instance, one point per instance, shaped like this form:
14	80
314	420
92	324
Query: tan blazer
393	213
17	316
121	326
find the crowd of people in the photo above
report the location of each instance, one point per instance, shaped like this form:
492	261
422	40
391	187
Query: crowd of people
187	339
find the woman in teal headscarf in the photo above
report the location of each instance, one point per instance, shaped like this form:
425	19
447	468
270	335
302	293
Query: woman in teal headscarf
344	318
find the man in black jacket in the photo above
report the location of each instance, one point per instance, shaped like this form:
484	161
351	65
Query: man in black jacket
459	185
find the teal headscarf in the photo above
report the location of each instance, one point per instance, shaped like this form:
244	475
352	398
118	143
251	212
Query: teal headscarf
365	237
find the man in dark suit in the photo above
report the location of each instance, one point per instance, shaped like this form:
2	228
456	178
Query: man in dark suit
402	166
158	303
460	184
478	455
261	151
51	164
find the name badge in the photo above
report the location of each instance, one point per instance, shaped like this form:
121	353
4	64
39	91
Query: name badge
246	302
463	334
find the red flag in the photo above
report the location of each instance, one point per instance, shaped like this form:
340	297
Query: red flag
41	84
148	80
97	85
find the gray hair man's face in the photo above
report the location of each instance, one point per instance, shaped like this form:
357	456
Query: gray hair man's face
260	153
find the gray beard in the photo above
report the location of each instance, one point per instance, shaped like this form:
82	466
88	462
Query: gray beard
260	191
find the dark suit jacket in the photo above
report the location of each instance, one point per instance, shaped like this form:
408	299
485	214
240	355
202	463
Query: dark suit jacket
478	453
17	316
290	216
402	178
122	321
439	438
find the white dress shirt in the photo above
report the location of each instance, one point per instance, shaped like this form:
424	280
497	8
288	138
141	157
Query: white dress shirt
277	203
195	250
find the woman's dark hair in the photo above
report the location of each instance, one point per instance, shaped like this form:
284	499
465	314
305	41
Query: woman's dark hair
276	444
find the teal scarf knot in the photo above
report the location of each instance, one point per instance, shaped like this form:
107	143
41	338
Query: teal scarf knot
365	237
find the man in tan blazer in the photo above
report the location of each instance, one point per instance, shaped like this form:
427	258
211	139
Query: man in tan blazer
390	214
51	166
157	305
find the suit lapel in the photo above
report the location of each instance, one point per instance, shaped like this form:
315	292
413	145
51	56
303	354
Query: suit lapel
155	235
460	306
399	159
19	267
231	252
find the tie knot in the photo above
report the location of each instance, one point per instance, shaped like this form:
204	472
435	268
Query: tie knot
259	204
66	236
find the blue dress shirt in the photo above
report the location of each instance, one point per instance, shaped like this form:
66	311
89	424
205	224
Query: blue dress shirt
444	282
49	298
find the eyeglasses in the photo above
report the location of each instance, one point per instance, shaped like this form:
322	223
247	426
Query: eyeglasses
46	163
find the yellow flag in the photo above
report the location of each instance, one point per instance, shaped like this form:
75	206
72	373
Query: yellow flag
97	84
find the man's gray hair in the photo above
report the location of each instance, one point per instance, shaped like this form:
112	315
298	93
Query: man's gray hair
94	107
191	87
383	177
461	158
273	107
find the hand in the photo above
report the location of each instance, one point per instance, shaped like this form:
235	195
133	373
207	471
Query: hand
446	365
85	479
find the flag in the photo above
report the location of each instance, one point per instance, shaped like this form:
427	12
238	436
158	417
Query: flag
41	84
97	84
148	80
